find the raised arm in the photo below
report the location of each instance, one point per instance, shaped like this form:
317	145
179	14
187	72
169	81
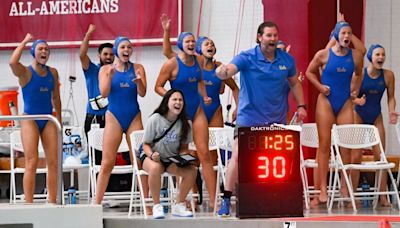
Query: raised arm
167	49
85	46
106	74
17	68
390	85
140	80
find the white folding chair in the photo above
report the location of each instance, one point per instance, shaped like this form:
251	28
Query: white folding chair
96	143
309	138
136	140
359	136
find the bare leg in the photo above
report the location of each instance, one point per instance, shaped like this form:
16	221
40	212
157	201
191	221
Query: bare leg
324	118
379	124
30	142
188	175
50	141
346	116
200	136
154	169
232	169
111	140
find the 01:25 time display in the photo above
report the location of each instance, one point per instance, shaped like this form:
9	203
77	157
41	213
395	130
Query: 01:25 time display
273	142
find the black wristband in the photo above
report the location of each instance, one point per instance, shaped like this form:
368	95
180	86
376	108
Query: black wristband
302	106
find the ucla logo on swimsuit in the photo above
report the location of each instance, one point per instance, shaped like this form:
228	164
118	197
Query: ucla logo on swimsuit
44	89
209	83
124	85
192	79
341	69
282	67
373	91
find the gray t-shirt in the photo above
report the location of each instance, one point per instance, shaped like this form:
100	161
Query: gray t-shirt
169	145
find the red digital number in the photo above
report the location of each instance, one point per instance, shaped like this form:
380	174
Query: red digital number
278	167
276	142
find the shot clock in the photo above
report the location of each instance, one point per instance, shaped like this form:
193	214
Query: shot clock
269	173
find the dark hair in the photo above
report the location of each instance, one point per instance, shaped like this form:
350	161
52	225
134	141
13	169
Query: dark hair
104	45
261	27
162	109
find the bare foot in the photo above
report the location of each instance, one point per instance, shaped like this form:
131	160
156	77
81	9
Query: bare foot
323	197
357	202
384	202
315	202
149	210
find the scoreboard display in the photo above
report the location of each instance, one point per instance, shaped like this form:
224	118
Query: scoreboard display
269	182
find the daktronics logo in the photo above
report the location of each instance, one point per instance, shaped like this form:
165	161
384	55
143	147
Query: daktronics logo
63	7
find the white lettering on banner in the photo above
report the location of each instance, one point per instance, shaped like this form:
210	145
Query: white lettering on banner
63	7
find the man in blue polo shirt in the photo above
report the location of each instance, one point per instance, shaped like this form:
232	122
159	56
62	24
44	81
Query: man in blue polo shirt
266	72
97	105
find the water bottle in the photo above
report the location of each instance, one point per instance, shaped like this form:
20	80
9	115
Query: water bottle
365	188
71	195
164	194
13	111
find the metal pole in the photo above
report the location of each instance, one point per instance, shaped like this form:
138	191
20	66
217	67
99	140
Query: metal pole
59	141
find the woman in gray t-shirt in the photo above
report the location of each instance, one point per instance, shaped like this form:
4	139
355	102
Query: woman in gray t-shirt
174	142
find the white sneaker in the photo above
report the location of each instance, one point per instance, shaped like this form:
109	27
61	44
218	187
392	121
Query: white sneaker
180	210
158	211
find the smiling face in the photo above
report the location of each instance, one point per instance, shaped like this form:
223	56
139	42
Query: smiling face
189	45
345	35
378	58
175	104
125	51
106	56
269	38
208	49
42	53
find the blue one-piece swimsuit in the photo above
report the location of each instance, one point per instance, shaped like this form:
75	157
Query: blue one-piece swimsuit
213	87
373	90
122	100
337	75
187	80
37	95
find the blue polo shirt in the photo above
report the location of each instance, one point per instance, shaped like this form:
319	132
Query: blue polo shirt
263	94
92	87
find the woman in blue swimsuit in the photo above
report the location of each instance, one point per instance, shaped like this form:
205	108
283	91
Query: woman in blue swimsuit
184	72
40	90
121	82
376	81
340	82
